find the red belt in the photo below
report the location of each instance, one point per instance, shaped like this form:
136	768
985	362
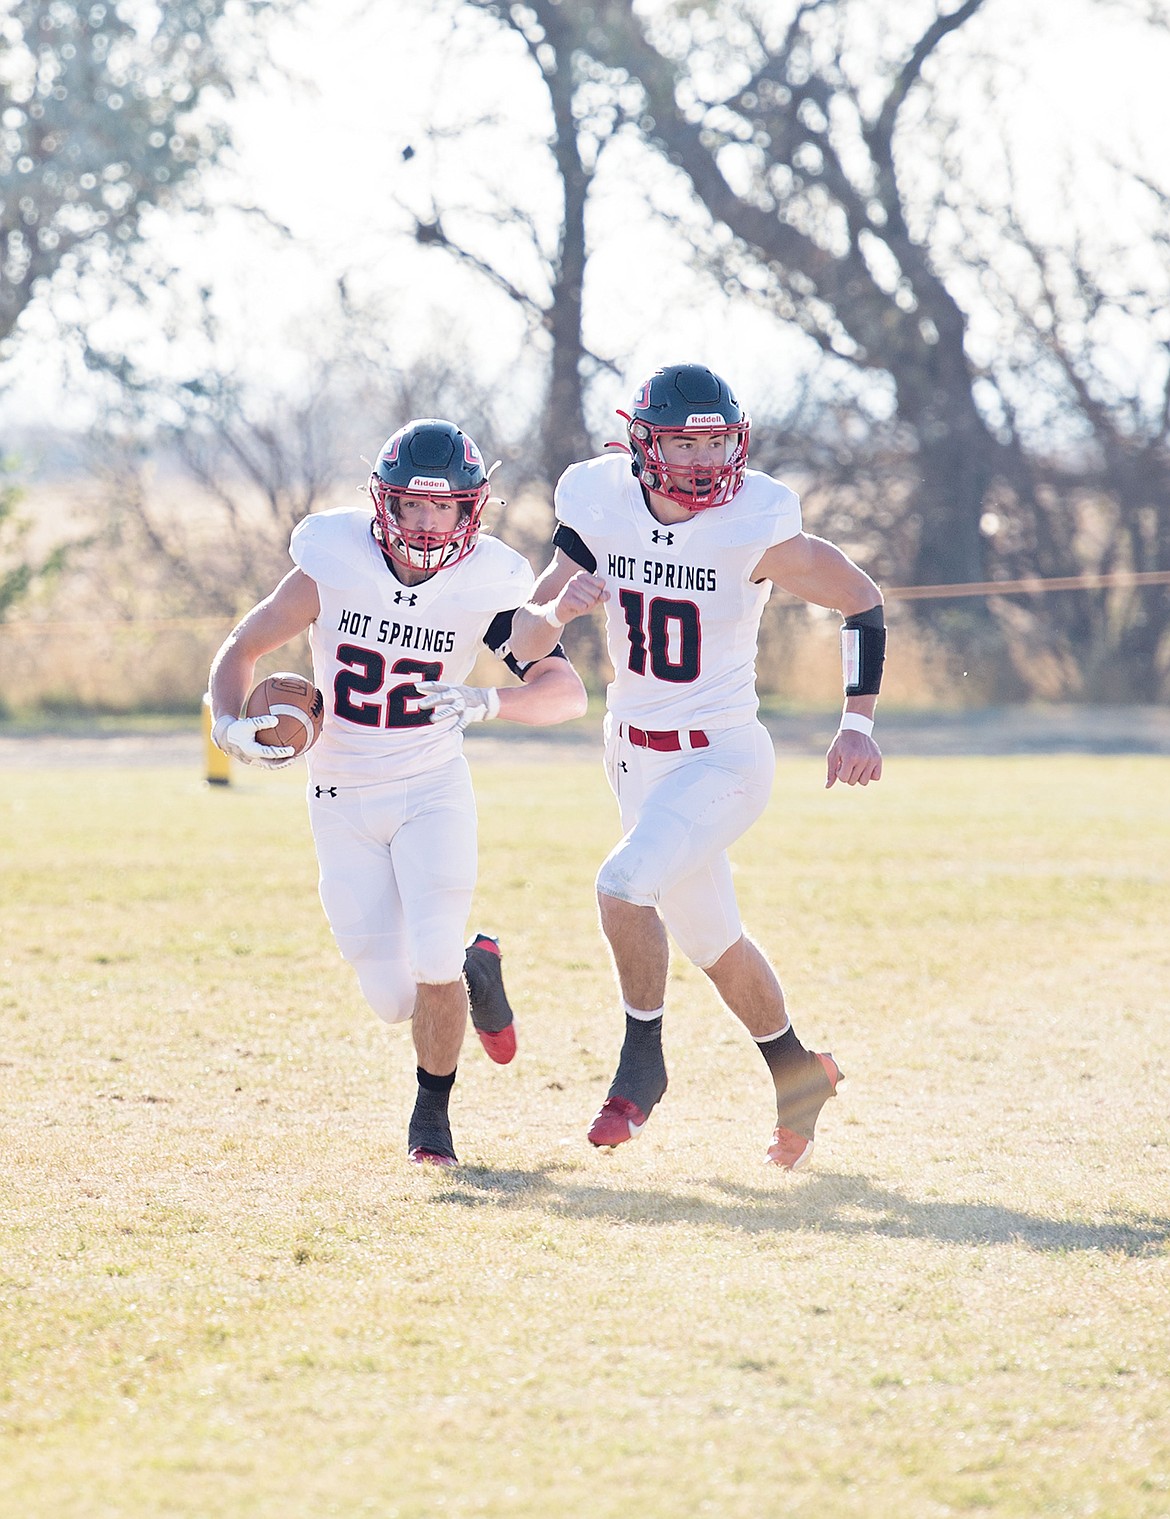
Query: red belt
668	742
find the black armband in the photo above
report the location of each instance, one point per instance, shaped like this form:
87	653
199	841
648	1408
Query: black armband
522	670
496	638
863	652
570	543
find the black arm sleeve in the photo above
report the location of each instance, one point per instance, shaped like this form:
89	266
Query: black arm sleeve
496	638
863	648
572	544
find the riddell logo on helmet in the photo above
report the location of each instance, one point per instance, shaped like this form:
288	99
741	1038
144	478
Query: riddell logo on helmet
426	483
705	419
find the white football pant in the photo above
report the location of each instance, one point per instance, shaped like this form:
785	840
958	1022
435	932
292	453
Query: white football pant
681	812
398	866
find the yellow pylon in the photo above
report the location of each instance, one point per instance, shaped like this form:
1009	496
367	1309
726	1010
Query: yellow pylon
217	766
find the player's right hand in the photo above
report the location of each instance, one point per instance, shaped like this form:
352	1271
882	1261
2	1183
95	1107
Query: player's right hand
237	736
580	595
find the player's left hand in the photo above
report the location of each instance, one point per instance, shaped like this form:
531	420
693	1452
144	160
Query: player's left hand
466	704
853	758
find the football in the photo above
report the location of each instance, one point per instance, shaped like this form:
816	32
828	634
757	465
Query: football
296	702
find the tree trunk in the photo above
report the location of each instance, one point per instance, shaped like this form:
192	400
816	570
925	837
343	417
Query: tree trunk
564	436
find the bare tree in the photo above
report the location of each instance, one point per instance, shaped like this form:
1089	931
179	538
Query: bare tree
797	158
812	162
204	476
1089	429
108	112
582	120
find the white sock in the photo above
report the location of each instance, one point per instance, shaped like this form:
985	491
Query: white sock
641	1015
767	1038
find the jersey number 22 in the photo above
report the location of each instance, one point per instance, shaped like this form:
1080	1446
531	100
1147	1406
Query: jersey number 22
367	681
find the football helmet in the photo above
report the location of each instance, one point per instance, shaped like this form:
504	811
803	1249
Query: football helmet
682	398
428	457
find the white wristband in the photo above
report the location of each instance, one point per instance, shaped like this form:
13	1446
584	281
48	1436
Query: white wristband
856	722
551	617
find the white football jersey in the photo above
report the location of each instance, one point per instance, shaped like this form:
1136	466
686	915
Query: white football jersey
683	618
375	638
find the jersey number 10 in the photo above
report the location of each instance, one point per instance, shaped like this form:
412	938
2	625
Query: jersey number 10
667	632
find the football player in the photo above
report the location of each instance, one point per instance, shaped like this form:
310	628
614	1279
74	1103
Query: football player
397	604
682	543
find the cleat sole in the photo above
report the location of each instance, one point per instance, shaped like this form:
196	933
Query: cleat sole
417	1156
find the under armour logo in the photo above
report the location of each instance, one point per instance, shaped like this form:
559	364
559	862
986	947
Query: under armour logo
402	596
624	766
325	790
662	537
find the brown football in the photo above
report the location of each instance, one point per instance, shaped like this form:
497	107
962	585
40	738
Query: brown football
296	702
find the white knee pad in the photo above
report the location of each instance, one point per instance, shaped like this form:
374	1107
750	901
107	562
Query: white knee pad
437	964
433	933
387	985
700	911
704	928
629	875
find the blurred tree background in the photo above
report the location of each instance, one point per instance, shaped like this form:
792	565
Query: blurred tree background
971	326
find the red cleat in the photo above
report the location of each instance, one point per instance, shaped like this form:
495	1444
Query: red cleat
501	1047
790	1149
618	1120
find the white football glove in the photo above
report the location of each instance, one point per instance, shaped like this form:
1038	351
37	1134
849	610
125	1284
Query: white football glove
466	704
237	736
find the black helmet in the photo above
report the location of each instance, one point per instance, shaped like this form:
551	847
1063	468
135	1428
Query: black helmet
683	398
429	457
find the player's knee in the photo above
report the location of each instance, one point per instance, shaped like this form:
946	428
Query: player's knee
704	951
712	952
625	875
436	958
385	979
704	935
388	990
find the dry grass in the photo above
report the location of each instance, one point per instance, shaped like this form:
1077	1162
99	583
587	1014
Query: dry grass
224	1293
160	664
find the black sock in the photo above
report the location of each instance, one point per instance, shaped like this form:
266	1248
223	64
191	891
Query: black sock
802	1088
430	1128
641	1072
784	1055
435	1083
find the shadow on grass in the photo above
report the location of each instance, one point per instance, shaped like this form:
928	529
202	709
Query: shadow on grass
843	1205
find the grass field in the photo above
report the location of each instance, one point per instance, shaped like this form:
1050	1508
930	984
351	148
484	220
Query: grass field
223	1292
